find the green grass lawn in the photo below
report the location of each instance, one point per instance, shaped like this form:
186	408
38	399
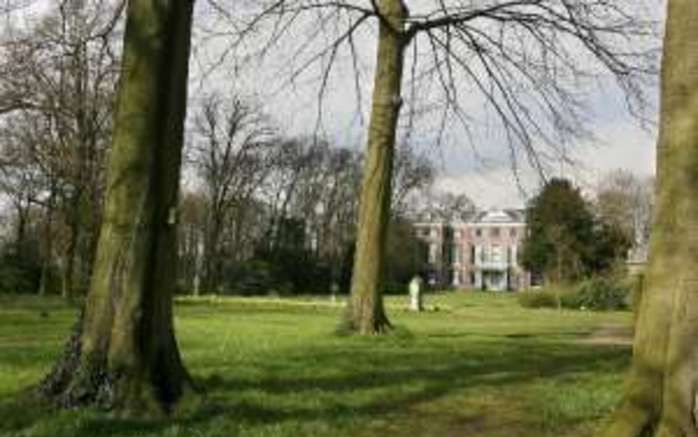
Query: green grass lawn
480	366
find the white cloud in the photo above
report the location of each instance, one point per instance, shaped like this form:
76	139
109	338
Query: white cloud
622	145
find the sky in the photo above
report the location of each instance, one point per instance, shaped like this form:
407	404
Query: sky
625	146
480	167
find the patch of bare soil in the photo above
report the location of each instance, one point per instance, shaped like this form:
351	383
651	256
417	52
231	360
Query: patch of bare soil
611	334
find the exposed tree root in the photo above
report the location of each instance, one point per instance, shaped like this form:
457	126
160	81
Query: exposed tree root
374	322
76	381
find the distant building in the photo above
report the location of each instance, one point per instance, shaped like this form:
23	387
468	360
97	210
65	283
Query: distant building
479	250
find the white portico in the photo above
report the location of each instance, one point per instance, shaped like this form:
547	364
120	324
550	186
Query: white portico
480	251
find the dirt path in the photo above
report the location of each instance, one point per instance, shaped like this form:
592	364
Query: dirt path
610	334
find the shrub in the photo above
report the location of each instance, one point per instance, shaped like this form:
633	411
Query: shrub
597	294
544	298
395	288
19	274
254	277
602	294
279	273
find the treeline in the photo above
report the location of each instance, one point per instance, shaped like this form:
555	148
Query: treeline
270	215
259	211
57	83
265	214
571	238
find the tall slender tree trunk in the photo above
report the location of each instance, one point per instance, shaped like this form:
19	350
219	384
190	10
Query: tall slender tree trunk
365	311
71	251
124	355
46	263
197	250
661	395
212	259
21	232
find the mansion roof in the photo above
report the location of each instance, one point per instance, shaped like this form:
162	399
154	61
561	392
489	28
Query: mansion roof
493	216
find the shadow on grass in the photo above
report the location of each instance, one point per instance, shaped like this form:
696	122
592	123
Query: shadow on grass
430	372
439	372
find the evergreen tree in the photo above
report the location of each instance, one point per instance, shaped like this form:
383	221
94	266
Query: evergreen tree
561	237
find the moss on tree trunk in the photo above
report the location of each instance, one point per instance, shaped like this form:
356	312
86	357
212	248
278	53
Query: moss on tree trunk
661	390
365	312
123	354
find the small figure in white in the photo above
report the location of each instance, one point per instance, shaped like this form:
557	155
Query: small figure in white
416	288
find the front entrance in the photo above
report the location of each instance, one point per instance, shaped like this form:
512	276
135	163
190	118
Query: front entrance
493	280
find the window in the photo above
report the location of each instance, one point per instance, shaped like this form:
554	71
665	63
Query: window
433	251
456	254
496	254
512	232
478	232
494	232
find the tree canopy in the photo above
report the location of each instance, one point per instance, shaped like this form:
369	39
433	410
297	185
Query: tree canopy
565	240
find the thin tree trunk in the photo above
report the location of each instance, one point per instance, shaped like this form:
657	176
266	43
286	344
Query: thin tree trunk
198	260
365	311
70	253
212	254
21	233
126	356
662	389
48	248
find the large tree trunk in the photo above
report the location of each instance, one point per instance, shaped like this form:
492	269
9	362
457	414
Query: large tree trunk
662	390
365	312
124	354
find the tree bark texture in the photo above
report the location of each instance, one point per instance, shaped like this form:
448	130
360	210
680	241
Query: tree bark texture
662	388
123	354
365	311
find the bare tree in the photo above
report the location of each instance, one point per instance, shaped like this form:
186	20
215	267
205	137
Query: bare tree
524	59
27	188
57	85
625	201
292	187
411	173
21	183
448	206
231	156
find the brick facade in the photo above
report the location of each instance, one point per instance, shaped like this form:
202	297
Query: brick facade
480	251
